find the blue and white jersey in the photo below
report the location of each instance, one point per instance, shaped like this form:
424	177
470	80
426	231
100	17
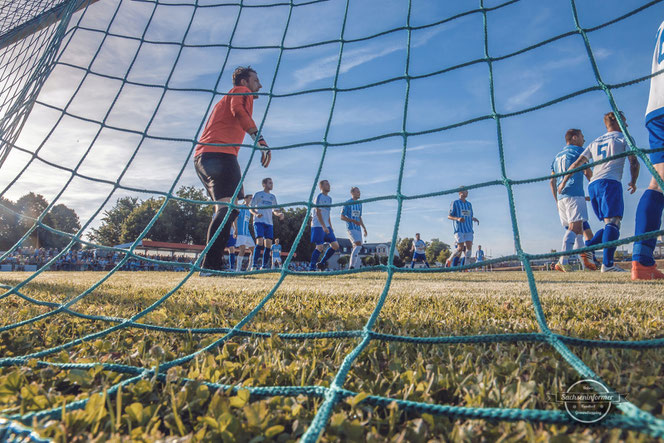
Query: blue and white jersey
353	211
562	162
243	219
479	254
656	100
609	144
263	198
321	199
462	209
276	252
420	246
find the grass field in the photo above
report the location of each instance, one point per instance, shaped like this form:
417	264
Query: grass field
508	375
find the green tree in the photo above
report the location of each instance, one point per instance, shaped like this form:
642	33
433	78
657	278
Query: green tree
31	206
444	255
9	224
434	248
368	260
195	218
343	261
404	246
64	219
286	231
110	231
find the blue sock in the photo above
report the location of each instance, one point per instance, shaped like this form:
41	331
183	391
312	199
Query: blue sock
329	253
611	232
231	258
412	264
426	264
455	261
266	259
258	255
314	259
648	218
597	238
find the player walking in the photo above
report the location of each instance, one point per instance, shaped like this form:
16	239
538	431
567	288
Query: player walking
321	228
352	215
605	188
461	214
418	249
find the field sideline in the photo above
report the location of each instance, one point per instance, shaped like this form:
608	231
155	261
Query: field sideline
511	375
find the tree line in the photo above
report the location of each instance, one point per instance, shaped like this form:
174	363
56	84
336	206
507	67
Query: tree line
14	225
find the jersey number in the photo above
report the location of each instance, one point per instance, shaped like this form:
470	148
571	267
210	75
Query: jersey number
659	42
601	150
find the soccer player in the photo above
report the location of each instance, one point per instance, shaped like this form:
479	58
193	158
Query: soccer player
571	201
461	213
230	246
479	254
244	239
276	254
263	225
418	249
651	204
217	166
605	188
352	215
321	229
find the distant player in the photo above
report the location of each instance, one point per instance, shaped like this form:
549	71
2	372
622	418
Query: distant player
419	250
263	225
479	254
352	215
244	239
217	166
461	214
605	188
571	201
230	246
321	229
276	254
649	210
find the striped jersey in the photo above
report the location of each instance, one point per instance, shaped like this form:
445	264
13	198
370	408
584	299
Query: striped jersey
420	246
276	252
321	199
656	99
609	144
462	209
479	254
353	211
562	162
263	198
243	222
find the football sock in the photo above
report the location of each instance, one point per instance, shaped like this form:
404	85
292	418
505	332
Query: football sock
568	245
354	256
314	259
231	259
597	238
266	258
578	242
258	256
648	219
611	232
329	253
213	258
240	259
455	261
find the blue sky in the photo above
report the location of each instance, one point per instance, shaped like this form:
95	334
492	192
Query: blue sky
434	162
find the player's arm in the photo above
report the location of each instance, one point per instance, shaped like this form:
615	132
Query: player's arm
582	160
554	189
235	228
476	220
634	168
277	211
363	227
319	216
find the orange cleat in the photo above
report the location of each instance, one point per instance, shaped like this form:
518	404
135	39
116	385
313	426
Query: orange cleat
587	261
643	272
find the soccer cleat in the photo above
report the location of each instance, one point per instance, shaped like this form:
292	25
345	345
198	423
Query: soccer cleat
321	266
587	262
563	268
448	263
643	272
613	268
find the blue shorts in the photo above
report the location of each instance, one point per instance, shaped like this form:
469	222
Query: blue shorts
319	237
264	230
655	128
418	257
606	197
231	242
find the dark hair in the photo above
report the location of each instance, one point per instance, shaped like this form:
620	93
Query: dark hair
572	133
265	180
241	73
321	182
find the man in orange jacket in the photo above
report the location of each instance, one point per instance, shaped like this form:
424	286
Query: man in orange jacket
217	165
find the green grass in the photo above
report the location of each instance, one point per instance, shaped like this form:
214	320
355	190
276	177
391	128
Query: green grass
507	375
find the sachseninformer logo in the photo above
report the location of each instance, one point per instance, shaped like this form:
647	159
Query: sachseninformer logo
588	401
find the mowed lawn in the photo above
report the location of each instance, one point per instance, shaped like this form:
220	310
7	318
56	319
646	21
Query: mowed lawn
586	305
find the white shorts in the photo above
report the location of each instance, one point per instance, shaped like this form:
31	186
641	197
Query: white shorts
572	209
244	240
355	235
462	237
